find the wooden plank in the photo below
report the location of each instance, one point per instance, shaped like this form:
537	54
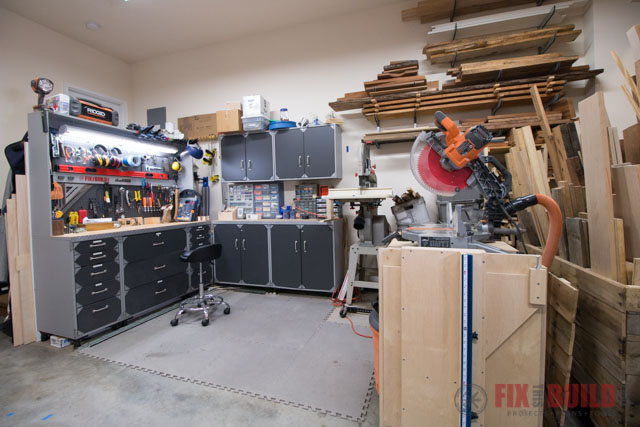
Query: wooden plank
614	294
557	152
595	152
578	241
620	253
563	297
588	350
11	227
430	337
626	185
630	145
24	248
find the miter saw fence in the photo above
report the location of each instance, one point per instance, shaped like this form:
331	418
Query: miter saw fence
446	163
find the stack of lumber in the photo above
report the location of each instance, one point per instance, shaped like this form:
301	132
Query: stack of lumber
19	256
516	120
470	73
631	92
428	11
398	77
474	47
421	328
562	304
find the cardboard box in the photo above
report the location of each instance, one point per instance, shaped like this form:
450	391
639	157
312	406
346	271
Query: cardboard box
58	342
228	214
234	105
203	126
229	121
255	105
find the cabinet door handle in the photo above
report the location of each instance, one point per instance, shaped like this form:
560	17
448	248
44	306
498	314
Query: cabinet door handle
295	246
100	292
161	292
97	245
308	163
236	244
100	309
160	267
243	248
93	258
158	244
304	246
98	273
200	237
97	285
242	164
249	164
299	161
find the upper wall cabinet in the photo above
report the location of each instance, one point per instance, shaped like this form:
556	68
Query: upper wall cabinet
247	157
310	153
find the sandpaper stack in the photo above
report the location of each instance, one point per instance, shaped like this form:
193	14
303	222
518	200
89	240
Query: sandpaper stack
473	47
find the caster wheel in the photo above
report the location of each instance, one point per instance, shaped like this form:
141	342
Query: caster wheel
174	322
343	312
205	322
227	310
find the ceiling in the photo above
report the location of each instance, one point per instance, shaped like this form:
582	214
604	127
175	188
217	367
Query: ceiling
135	30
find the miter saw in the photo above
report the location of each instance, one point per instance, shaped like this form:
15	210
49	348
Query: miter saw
448	162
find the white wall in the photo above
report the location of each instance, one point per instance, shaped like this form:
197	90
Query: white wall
29	50
301	68
606	24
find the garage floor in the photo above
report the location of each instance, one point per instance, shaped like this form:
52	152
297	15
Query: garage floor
40	381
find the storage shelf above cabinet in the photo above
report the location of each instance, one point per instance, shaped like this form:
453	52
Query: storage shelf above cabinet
285	154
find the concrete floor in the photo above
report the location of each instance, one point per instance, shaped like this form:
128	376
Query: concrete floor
73	390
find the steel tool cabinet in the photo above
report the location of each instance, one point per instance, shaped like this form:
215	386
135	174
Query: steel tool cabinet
287	254
247	157
286	154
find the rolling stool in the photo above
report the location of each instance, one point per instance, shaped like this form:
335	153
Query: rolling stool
201	302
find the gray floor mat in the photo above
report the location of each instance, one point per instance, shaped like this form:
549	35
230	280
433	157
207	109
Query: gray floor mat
279	347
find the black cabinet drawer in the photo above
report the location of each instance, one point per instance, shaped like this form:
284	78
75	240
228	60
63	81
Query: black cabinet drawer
207	274
200	229
141	272
99	314
96	245
155	293
97	292
97	257
97	273
198	243
200	237
145	246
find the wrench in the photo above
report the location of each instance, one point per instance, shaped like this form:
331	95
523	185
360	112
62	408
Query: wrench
121	208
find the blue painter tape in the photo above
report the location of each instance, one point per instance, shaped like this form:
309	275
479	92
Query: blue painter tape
47	417
9	414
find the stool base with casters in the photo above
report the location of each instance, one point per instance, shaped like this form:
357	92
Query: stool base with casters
202	302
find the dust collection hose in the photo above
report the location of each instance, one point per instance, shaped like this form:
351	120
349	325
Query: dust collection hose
555	221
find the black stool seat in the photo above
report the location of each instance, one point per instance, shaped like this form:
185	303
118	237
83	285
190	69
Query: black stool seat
202	254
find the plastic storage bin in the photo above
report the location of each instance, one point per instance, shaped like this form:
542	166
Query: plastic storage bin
255	122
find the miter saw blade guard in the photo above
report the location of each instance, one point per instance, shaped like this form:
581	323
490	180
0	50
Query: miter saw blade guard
427	168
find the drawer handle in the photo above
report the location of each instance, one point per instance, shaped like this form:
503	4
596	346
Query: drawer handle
295	246
200	237
98	244
236	243
304	246
93	258
308	163
158	244
97	285
101	309
200	228
100	292
159	281
299	161
161	292
242	164
243	247
160	267
249	163
98	273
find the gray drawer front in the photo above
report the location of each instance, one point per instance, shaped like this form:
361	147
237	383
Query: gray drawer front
99	314
97	292
97	257
97	273
96	245
141	272
155	293
145	246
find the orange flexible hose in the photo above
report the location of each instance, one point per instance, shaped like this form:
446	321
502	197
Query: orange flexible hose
555	228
